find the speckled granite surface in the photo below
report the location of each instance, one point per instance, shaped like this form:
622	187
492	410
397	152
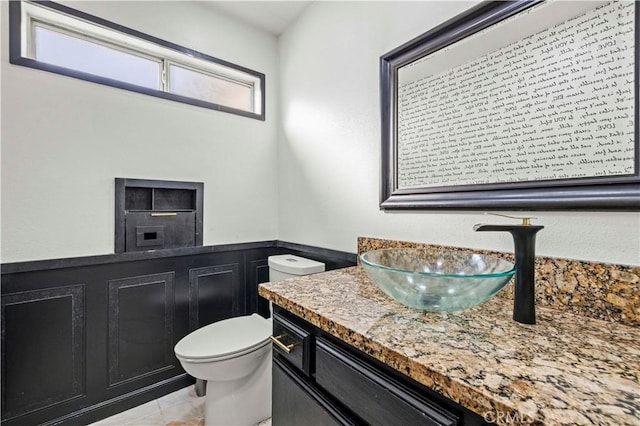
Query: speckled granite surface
567	369
597	290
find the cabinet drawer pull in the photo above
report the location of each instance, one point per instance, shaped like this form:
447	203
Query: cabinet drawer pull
286	348
164	214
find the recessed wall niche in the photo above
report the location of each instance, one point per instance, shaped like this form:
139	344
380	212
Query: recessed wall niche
156	214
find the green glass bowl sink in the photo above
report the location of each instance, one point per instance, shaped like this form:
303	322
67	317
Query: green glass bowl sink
443	281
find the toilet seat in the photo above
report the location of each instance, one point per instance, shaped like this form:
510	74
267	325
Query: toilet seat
225	339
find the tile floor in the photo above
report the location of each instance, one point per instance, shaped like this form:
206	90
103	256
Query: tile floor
181	408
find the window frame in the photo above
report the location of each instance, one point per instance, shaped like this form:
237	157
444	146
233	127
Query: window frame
166	52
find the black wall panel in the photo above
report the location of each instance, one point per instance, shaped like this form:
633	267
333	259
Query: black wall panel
44	364
258	272
140	326
214	294
86	338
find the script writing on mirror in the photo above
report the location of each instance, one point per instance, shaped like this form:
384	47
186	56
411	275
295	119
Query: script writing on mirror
557	104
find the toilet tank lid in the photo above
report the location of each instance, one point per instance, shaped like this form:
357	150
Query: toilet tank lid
225	337
295	265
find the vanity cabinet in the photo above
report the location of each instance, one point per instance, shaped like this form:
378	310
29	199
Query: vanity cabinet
320	380
296	401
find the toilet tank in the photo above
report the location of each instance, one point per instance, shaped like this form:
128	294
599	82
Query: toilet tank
286	266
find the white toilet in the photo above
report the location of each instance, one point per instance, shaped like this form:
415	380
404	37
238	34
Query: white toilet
234	357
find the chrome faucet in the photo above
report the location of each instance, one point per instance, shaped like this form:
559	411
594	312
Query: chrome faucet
524	240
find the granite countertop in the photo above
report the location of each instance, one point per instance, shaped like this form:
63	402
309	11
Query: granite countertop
566	369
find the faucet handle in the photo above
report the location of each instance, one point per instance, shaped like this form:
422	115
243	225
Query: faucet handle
526	220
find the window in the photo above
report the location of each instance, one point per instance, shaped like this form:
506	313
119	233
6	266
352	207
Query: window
199	84
70	51
55	38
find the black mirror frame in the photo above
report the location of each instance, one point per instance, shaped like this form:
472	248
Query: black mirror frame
608	194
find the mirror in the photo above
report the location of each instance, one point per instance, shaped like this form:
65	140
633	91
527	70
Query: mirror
514	105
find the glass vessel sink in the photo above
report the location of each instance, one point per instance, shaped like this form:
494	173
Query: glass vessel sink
437	281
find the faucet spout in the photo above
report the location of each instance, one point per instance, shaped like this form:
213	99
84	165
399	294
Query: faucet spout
488	227
524	241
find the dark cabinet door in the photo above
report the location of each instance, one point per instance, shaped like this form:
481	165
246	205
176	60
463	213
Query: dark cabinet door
373	396
296	402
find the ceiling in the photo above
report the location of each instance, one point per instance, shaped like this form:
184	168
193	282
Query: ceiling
272	16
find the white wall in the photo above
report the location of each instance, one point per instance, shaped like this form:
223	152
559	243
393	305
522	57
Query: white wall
329	151
65	140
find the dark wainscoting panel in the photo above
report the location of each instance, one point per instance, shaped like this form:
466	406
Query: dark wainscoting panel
140	322
258	272
86	338
44	365
215	294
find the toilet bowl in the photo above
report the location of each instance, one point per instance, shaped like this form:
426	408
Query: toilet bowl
234	357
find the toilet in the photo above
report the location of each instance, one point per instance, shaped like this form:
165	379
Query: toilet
234	356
